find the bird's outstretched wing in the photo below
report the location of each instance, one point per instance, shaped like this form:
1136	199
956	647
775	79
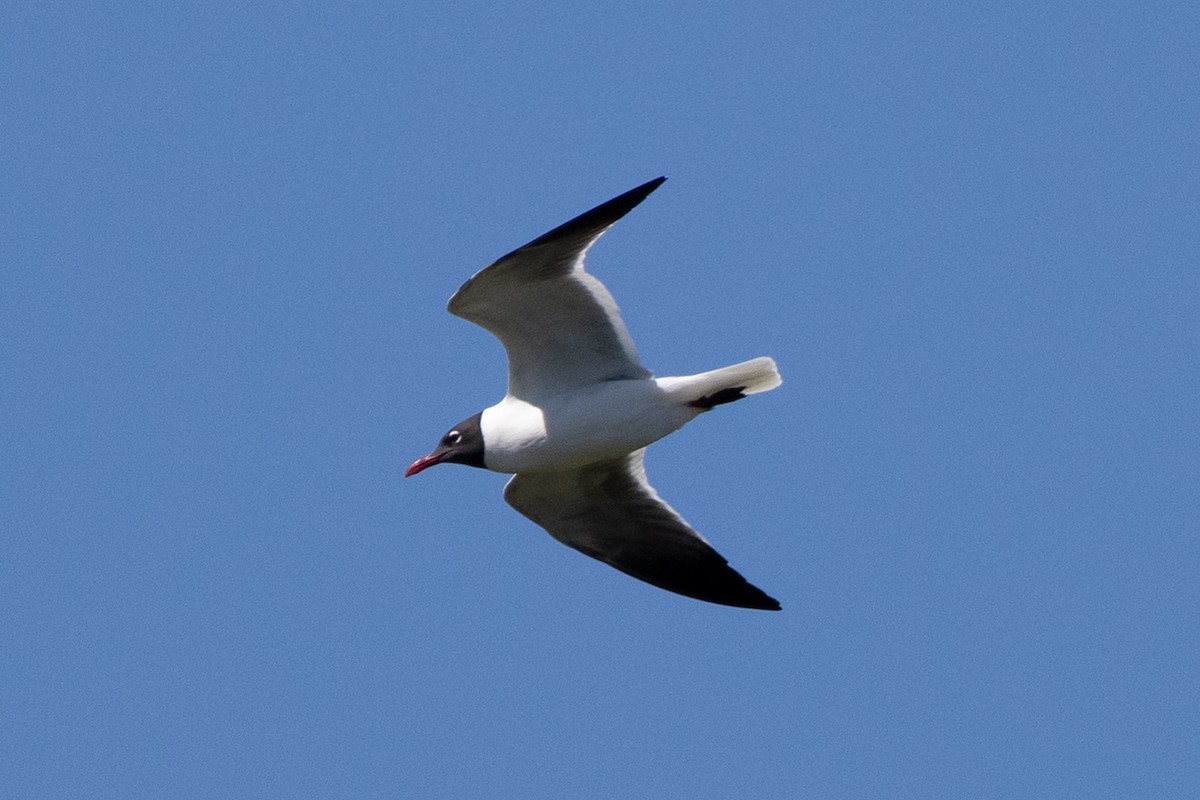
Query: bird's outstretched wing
559	325
610	512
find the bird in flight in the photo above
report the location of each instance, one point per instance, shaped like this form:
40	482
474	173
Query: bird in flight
581	410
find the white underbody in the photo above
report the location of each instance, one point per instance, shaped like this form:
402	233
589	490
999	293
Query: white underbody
605	420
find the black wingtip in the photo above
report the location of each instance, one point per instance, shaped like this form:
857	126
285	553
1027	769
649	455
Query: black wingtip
732	590
643	191
603	215
622	204
755	599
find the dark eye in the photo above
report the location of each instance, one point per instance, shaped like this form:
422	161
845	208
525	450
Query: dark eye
453	437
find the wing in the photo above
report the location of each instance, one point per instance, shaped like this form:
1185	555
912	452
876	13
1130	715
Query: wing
560	327
611	513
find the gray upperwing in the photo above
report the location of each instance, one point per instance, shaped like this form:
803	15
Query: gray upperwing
559	325
611	513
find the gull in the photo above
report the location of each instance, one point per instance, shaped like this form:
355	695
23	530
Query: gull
581	409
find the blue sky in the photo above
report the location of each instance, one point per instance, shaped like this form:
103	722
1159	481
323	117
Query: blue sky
967	232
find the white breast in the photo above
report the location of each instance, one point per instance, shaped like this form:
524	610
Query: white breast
603	421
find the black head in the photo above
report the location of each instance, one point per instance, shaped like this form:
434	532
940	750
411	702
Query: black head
462	444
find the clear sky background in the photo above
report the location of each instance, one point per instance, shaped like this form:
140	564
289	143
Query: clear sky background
969	233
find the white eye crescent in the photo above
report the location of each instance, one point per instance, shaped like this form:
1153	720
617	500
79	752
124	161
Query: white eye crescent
453	437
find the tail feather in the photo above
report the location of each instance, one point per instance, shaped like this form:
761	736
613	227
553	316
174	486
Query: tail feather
726	384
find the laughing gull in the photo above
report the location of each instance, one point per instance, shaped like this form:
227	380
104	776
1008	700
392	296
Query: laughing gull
581	410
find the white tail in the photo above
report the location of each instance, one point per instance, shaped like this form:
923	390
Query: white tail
749	377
